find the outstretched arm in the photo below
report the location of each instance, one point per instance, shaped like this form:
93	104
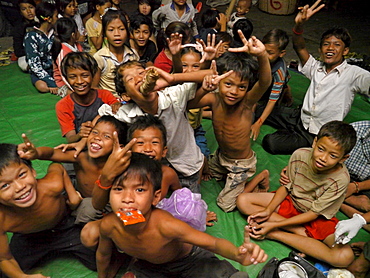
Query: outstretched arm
299	44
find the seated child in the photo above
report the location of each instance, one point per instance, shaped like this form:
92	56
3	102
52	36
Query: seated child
318	183
65	41
141	29
242	8
278	94
76	111
212	22
37	45
88	165
94	25
232	115
176	249
177	10
27	11
35	211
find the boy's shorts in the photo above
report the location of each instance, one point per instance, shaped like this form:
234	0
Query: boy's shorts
236	172
199	263
319	228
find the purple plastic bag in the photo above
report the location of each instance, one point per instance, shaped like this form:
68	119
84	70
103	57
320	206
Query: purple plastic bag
186	206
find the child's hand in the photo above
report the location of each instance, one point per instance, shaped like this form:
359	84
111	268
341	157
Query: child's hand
85	129
209	50
252	46
259	231
78	146
53	91
259	217
119	159
250	253
27	150
306	12
210	82
284	179
174	43
115	107
74	201
222	20
255	130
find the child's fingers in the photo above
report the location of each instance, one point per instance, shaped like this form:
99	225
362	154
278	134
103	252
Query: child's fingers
315	4
218	45
129	145
26	140
115	141
214	67
222	76
242	37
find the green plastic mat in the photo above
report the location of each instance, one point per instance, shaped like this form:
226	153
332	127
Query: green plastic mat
24	110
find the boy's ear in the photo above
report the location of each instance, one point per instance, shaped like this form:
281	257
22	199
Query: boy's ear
164	153
314	142
157	197
344	158
282	53
34	172
346	50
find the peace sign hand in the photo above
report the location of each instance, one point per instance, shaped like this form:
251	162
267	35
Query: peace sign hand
27	150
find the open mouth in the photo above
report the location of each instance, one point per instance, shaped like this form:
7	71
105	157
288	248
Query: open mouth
95	147
25	197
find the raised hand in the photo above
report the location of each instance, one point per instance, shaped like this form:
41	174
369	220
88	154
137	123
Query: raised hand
210	82
252	46
78	146
209	50
306	12
27	150
250	253
85	129
119	159
174	43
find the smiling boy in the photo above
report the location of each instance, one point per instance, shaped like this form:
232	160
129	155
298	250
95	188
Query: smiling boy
162	245
35	211
318	183
333	86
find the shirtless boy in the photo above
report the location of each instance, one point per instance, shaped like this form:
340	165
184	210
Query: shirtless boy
232	115
35	211
176	249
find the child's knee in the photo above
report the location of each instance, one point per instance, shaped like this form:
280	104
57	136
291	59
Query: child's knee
90	235
42	87
243	202
343	257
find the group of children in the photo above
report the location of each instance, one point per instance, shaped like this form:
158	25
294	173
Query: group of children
243	88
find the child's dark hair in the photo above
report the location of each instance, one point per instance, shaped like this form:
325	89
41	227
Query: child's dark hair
173	27
342	133
149	171
121	127
246	26
190	49
139	20
99	3
339	33
64	27
118	78
31	2
62	5
111	15
79	60
144	122
45	11
224	37
242	64
209	18
277	37
9	155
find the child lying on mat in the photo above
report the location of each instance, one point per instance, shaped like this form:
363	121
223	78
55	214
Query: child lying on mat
176	249
35	211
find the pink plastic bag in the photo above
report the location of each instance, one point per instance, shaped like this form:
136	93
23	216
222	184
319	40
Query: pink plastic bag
186	206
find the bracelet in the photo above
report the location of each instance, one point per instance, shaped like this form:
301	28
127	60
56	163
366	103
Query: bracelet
357	186
297	33
98	183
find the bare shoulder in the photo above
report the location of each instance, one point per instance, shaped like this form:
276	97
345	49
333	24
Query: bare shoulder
53	180
168	171
108	223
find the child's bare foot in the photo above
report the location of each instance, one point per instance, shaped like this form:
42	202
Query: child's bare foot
260	183
211	216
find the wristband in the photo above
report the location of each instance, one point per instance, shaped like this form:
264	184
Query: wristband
357	186
297	33
98	183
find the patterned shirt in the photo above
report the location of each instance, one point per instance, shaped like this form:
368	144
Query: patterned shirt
37	45
358	163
